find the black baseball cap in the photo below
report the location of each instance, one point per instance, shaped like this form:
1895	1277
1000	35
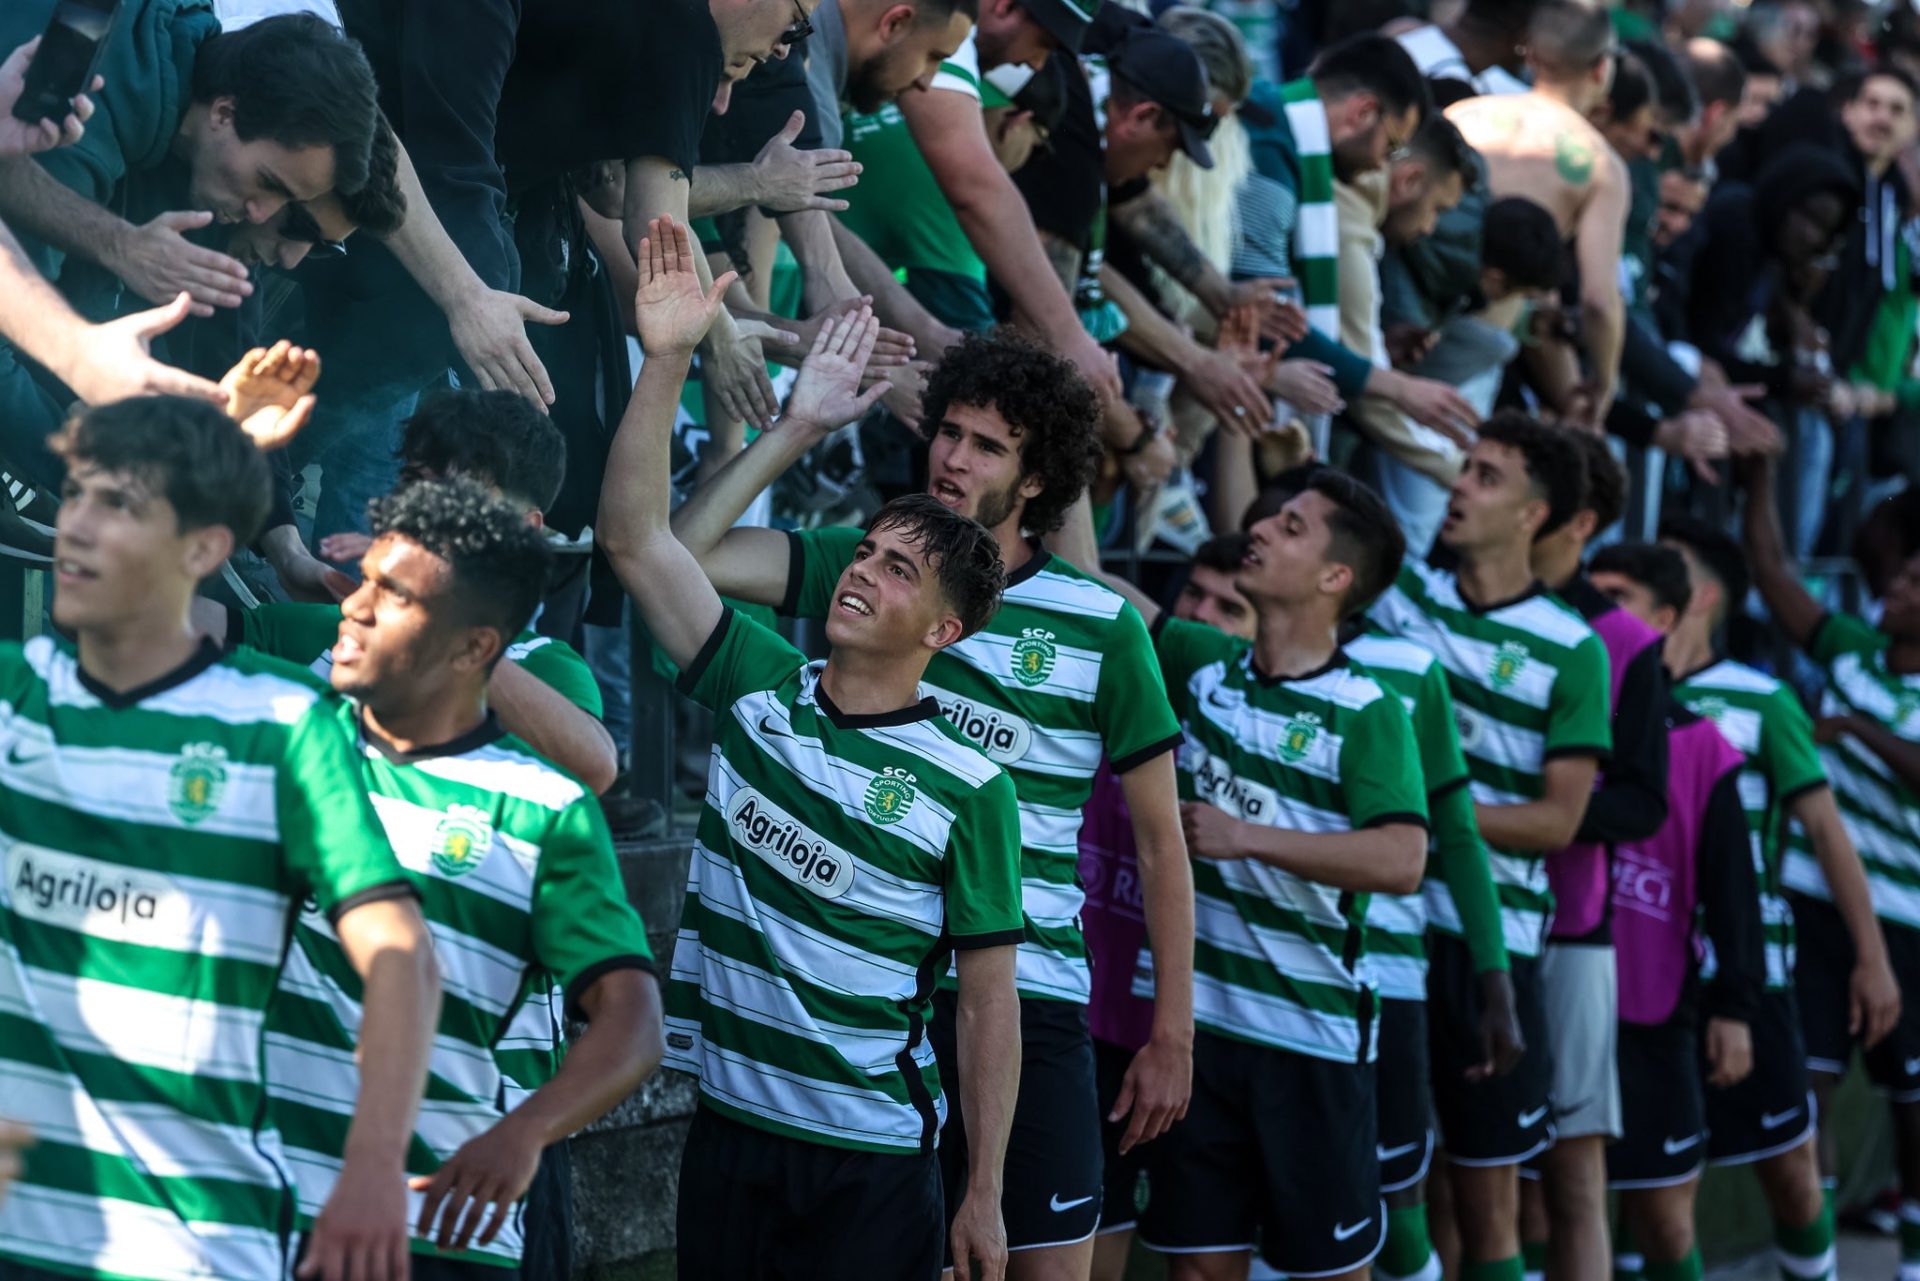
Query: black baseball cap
1167	70
1065	20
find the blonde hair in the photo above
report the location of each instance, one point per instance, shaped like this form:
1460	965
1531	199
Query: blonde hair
1205	199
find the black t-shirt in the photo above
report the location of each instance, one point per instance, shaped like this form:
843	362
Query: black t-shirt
606	80
1065	187
761	106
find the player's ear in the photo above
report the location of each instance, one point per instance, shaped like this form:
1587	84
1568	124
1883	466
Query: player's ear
948	631
207	548
479	647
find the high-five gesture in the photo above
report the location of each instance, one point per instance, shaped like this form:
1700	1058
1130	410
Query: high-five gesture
671	310
826	395
270	392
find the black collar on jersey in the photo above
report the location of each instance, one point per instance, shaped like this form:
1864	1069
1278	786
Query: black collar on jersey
1037	561
479	736
924	710
1536	588
1338	659
1585	597
204	657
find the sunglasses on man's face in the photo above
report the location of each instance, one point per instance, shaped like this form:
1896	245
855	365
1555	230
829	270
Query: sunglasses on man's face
800	29
299	226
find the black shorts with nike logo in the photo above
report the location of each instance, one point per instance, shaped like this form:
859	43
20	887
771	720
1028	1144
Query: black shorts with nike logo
1502	1120
1662	1108
1822	971
1771	1111
1051	1180
1277	1151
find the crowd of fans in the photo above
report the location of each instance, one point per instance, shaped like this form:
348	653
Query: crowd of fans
1493	782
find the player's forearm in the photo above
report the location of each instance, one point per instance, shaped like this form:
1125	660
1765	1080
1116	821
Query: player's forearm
634	497
1001	230
1819	815
1469	877
33	315
897	308
426	250
1150	336
1896	753
1530	827
1379	860
703	521
620	1048
718	189
388	945
823	276
40	205
1774	572
987	1031
1157	229
1166	882
542	717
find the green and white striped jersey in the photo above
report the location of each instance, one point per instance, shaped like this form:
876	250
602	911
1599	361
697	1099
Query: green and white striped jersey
517	880
1279	960
530	1050
157	846
1882	814
1764	720
1530	682
1062	675
839	861
1397	924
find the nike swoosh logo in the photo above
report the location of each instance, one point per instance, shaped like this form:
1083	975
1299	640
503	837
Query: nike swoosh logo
1347	1232
1060	1207
1774	1120
1405	1149
17	757
771	730
1674	1147
1213	697
1530	1119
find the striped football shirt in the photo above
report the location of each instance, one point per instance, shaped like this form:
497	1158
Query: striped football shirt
1063	675
1279	960
1882	813
517	881
839	861
1530	682
158	844
1764	721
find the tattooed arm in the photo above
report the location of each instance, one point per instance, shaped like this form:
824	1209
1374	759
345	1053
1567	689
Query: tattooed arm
1154	226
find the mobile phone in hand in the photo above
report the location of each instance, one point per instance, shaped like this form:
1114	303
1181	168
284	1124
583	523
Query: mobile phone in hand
64	64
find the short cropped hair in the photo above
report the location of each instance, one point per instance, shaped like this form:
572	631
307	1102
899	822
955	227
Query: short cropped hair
1654	566
498	561
1717	553
494	437
297	80
1554	462
1222	553
1375	64
1606	479
1366	537
184	450
963	554
1632	86
1717	72
1673	87
1438	142
1519	237
1046	402
1569	36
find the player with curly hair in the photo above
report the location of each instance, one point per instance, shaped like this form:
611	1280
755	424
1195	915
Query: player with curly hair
1063	675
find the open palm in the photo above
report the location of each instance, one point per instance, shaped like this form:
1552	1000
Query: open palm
672	311
270	392
826	395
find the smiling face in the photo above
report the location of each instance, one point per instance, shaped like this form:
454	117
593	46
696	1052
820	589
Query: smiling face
119	554
974	466
888	599
1492	499
1287	559
251	181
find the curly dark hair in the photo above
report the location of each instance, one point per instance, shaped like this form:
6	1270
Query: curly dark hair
1606	479
1555	463
1046	402
183	449
961	551
499	561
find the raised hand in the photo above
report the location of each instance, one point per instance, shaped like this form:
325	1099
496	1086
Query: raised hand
670	309
270	392
111	361
791	179
827	395
157	262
